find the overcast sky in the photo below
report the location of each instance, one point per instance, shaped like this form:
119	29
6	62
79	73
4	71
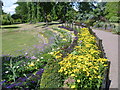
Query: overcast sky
9	6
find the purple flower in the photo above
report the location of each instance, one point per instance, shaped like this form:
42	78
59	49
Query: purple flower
40	71
12	85
2	82
33	57
21	79
19	84
27	57
33	81
76	38
80	41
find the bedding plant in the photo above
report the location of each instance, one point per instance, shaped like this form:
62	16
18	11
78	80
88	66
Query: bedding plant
21	72
83	68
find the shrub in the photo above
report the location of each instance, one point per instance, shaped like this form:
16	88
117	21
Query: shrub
116	30
51	78
114	19
6	19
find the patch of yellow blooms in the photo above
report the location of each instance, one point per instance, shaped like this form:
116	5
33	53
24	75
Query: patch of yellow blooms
85	61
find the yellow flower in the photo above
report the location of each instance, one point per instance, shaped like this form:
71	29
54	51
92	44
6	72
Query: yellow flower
64	40
36	68
30	65
78	80
51	53
88	73
73	86
104	59
99	77
72	75
90	78
58	57
60	70
94	71
84	69
105	65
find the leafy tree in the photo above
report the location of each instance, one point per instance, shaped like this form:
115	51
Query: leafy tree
22	10
84	7
44	11
16	16
6	19
112	10
47	9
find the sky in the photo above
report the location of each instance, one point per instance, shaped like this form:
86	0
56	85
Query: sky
9	6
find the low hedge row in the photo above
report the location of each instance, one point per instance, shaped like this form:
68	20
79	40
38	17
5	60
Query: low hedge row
51	78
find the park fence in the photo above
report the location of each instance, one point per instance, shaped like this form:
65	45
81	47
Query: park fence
76	25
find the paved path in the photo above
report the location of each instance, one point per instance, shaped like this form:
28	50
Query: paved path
110	44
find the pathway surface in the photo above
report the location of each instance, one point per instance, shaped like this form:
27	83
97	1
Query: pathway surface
110	44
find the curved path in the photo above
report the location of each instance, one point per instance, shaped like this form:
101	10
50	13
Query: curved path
110	44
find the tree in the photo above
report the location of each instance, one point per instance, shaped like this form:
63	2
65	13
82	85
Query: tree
44	11
47	9
84	7
22	10
112	10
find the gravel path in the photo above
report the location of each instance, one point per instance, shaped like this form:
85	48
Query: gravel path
110	44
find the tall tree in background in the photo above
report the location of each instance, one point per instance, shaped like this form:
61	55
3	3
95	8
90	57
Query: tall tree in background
90	12
22	10
84	7
61	10
112	10
99	11
44	11
47	9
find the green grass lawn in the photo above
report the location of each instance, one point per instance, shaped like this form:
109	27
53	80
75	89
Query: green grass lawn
18	42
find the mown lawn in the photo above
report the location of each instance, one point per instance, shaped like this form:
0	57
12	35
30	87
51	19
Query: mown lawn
16	43
21	38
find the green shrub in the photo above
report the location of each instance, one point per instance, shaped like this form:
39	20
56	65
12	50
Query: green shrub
114	19
51	78
116	30
6	19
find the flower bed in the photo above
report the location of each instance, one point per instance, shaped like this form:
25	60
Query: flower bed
83	67
25	71
22	71
69	64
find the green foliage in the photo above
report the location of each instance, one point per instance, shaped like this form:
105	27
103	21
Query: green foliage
44	11
84	7
89	12
116	30
6	19
16	16
114	19
15	68
22	10
112	9
62	41
51	78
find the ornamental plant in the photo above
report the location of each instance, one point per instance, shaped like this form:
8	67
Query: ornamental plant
83	68
26	71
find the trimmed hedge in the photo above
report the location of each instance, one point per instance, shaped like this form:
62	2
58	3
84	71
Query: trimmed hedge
51	78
